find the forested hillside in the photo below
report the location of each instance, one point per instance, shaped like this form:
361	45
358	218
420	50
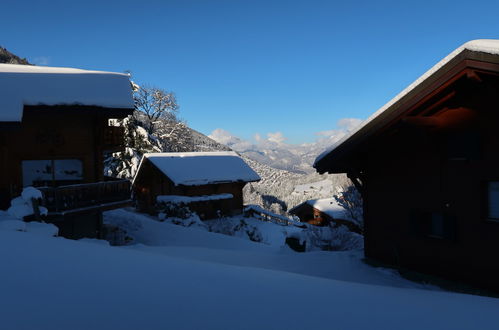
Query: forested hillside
277	191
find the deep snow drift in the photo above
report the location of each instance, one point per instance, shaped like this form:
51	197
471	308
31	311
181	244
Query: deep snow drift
184	278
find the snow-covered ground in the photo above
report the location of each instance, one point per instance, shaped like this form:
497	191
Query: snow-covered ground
322	189
175	277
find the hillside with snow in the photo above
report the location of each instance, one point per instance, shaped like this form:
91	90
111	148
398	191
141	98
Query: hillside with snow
280	190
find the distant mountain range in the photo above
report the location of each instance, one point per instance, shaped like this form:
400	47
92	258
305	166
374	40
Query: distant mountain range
274	152
10	58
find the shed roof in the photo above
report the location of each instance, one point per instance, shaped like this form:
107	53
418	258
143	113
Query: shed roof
484	50
200	168
22	85
327	206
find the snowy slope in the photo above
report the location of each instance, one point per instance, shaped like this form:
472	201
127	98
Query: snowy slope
188	279
203	143
288	188
318	189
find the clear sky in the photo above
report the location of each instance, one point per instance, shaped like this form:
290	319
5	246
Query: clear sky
295	67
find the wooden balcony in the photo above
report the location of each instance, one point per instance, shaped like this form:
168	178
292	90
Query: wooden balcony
87	197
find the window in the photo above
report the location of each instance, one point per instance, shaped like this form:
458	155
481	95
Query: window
433	224
52	172
493	200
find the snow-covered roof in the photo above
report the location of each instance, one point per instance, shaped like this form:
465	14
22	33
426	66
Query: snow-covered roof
327	206
471	49
199	168
22	85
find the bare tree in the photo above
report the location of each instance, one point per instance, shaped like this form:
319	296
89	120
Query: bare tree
156	104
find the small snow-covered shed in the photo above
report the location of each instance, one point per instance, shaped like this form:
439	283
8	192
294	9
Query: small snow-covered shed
208	182
322	212
54	132
427	166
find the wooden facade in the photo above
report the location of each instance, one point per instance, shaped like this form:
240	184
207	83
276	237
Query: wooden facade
428	170
58	146
150	182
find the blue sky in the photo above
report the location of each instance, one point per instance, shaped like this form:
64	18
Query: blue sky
295	67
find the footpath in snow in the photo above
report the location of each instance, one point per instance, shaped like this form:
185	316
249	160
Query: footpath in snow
186	278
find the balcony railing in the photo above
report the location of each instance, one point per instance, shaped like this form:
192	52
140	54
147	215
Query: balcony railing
86	197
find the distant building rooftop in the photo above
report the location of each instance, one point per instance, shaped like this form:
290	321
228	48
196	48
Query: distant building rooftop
200	168
327	206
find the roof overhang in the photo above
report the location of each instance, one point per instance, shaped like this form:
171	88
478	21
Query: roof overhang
481	55
105	112
58	110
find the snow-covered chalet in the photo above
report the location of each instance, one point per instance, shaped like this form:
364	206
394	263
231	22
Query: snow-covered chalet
427	166
209	183
54	132
324	212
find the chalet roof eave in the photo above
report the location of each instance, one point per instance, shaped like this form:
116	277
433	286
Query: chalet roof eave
142	160
338	158
69	108
10	125
298	207
114	113
214	182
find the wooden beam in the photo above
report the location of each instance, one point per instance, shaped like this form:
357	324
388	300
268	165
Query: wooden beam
427	122
445	119
473	75
354	177
438	103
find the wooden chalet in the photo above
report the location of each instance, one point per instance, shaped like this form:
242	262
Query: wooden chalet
324	212
209	183
427	167
54	132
